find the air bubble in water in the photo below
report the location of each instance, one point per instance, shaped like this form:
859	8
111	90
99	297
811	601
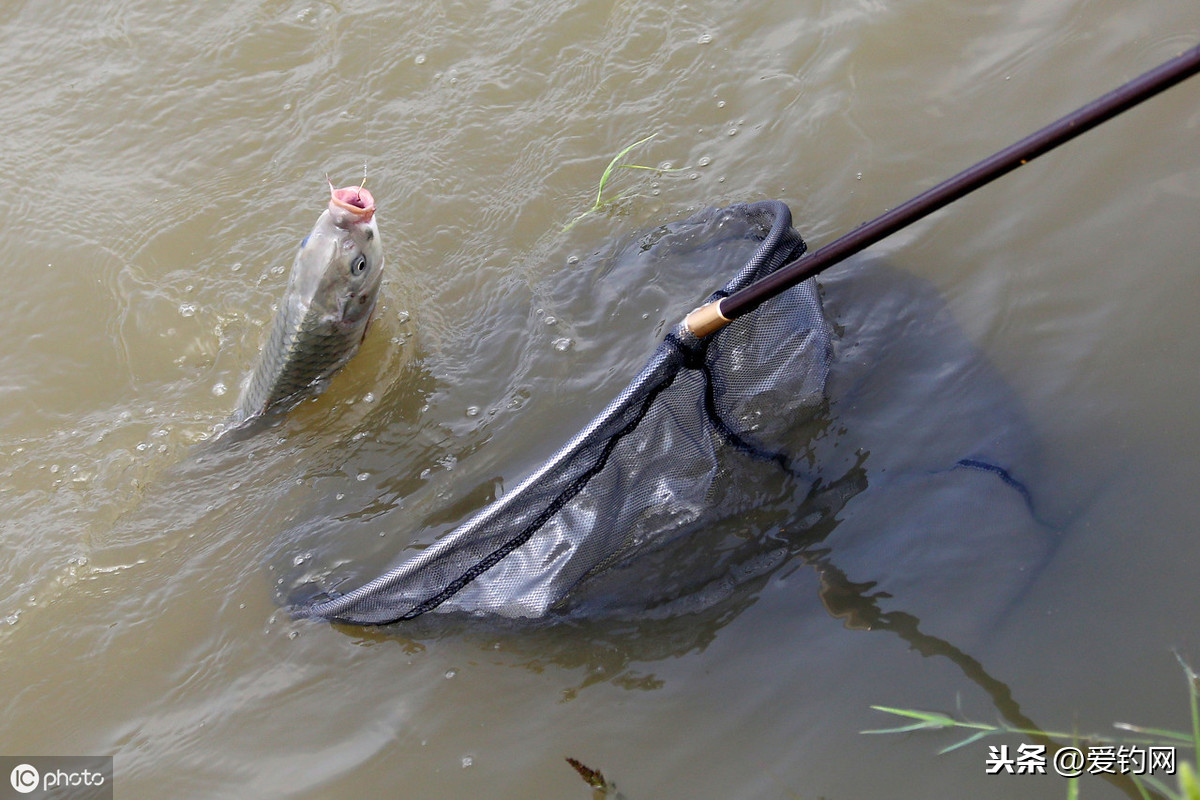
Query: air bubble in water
562	344
219	388
187	309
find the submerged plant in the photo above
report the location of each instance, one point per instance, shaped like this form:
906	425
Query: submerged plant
613	165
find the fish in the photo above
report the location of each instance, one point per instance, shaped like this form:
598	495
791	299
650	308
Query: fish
323	317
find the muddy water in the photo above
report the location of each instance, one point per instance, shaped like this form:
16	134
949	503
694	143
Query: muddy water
162	162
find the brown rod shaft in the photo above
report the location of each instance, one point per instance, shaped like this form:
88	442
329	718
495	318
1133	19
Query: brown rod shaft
1077	122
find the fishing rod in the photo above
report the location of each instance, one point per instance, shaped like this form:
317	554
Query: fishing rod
711	317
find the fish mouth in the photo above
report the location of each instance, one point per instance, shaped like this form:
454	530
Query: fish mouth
355	201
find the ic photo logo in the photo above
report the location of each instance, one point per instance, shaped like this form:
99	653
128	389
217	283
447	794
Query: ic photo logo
24	778
58	776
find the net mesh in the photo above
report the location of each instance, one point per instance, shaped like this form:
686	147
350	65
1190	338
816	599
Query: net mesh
649	468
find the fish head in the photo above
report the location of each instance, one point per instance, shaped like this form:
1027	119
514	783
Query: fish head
340	263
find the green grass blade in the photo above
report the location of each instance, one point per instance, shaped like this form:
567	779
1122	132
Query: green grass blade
652	169
935	719
1193	690
1155	784
975	737
929	716
916	726
613	165
1145	795
1189	787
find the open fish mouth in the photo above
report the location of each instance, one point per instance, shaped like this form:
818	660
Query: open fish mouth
353	199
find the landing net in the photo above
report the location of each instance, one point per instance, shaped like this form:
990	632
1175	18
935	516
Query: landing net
647	470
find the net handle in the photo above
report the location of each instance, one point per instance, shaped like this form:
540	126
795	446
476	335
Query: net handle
713	316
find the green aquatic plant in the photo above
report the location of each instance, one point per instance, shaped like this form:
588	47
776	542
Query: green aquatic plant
614	165
1147	786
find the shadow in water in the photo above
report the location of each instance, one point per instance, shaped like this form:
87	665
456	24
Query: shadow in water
858	608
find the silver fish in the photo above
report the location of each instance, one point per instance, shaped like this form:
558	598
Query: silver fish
323	316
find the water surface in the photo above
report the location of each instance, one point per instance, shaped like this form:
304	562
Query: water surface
164	160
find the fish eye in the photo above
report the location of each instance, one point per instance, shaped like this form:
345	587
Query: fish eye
359	266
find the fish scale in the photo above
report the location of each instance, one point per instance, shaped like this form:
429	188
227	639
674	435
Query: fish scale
323	317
